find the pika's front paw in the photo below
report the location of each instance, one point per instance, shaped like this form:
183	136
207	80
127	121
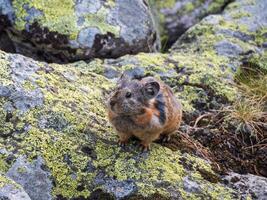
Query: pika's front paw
166	138
122	143
144	147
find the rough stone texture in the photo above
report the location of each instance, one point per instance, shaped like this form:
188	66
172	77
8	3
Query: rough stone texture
240	29
69	30
229	49
70	142
248	184
10	190
175	17
32	177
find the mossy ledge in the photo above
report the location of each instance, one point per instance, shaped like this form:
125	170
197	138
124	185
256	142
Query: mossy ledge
76	142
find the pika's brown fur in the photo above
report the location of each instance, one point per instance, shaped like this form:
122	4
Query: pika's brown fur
145	108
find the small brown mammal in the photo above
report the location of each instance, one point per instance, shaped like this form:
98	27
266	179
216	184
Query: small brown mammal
144	108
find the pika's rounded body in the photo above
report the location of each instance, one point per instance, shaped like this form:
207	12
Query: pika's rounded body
145	108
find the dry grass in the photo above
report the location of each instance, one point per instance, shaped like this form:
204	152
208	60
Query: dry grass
252	83
249	111
249	116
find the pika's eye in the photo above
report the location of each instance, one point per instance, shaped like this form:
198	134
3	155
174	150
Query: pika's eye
128	94
150	91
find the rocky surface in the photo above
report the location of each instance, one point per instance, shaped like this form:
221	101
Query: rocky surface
248	185
25	174
10	190
53	122
69	30
239	31
68	141
175	17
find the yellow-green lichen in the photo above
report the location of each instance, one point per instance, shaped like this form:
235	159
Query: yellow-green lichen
60	16
99	20
79	107
162	4
4	70
6	181
216	5
3	164
6	127
52	147
74	98
189	7
160	164
27	85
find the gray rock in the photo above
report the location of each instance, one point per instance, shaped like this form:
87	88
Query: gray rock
84	7
33	178
12	191
233	32
84	30
54	121
135	73
6	9
237	34
191	186
248	185
4	91
226	48
120	189
22	71
22	100
256	18
111	73
129	15
175	17
86	37
32	14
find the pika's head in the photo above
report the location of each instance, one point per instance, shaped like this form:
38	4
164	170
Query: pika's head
132	96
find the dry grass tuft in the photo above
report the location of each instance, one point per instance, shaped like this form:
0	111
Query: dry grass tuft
249	111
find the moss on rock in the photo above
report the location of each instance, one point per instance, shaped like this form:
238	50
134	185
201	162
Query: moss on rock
175	17
60	16
70	30
71	133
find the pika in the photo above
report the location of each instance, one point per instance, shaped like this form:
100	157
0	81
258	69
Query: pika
145	108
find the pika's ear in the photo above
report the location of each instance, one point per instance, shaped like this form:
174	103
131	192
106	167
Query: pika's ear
151	89
124	78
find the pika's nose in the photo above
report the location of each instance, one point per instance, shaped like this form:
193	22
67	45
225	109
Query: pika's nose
112	103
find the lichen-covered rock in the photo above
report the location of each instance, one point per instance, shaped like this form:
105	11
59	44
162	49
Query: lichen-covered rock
239	31
10	190
69	30
33	177
56	140
202	63
249	185
175	17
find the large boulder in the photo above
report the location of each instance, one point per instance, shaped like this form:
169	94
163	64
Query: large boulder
238	32
56	140
70	30
175	17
